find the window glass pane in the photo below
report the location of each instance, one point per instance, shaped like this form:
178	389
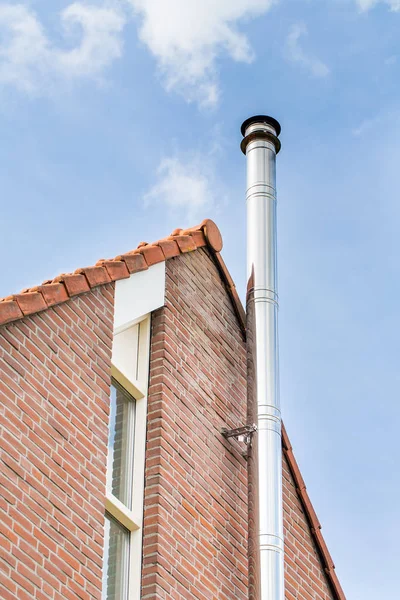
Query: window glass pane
121	443
116	560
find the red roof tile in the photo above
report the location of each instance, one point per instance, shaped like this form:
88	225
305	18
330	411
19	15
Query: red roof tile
9	310
67	285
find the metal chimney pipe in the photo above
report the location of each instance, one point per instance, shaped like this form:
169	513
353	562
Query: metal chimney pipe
260	144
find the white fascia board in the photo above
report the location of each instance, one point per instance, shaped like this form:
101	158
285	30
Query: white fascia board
139	295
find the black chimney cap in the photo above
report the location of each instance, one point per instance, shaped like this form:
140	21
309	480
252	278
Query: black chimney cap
262	119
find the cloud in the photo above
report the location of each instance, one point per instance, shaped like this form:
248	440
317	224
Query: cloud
30	62
188	187
296	54
101	42
187	36
365	5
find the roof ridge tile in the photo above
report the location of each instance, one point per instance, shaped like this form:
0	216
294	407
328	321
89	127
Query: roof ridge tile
67	285
30	302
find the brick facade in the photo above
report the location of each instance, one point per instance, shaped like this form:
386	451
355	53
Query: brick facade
196	487
55	402
55	387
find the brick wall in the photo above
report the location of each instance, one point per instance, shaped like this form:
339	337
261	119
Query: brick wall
55	401
54	388
195	526
195	495
304	576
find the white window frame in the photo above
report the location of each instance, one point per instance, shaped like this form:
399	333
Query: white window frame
136	384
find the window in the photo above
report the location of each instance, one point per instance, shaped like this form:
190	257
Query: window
125	464
116	560
121	444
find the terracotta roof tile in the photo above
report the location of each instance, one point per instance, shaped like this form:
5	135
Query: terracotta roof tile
170	248
176	232
213	235
152	254
53	293
198	238
135	262
30	302
96	275
74	283
116	269
185	242
67	285
9	311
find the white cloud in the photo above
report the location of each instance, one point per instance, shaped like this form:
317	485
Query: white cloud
101	42
187	36
188	187
365	5
296	54
29	60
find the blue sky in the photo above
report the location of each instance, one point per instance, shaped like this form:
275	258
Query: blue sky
120	121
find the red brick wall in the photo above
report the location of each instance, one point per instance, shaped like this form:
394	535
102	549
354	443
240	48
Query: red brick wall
195	496
304	575
54	387
195	525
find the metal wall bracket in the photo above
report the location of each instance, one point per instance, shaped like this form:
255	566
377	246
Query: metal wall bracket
241	434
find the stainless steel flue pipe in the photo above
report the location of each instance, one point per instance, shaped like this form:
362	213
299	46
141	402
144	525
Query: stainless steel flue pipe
260	144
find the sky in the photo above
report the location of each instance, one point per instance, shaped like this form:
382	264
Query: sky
120	121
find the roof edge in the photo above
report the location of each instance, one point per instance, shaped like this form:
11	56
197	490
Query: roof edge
312	518
67	285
